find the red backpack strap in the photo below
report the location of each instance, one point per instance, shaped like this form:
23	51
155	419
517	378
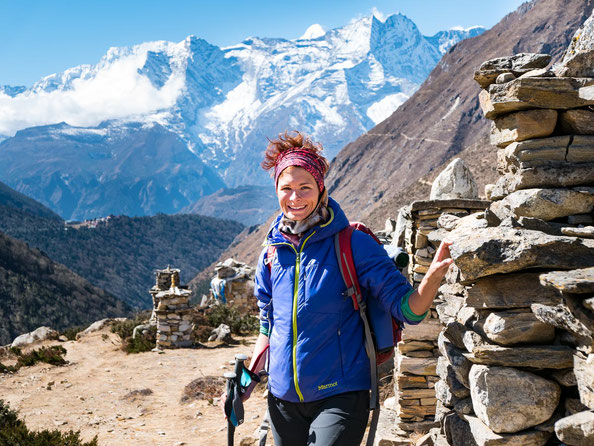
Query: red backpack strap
344	254
270	253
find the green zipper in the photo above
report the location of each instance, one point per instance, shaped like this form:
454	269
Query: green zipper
295	300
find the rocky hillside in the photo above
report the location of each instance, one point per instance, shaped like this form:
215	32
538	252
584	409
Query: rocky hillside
36	291
380	171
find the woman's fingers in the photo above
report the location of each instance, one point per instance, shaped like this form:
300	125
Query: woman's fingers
443	251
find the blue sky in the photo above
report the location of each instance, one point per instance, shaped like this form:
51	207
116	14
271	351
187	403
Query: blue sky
38	38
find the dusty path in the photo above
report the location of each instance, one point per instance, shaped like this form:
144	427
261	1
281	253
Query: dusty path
88	394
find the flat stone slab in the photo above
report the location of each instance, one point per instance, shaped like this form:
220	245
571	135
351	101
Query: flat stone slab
450	203
516	65
483	436
585	232
551	174
523	125
505	291
561	316
428	330
558	93
487	251
509	400
538	357
578	281
543	151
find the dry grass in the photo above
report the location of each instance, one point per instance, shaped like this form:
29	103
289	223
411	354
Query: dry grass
205	388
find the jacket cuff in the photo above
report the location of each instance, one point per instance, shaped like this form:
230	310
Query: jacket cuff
264	330
408	313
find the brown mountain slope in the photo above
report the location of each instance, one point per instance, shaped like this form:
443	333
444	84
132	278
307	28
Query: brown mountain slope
377	173
395	162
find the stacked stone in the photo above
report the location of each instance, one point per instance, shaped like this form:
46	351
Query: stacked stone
507	375
239	283
454	195
172	310
574	315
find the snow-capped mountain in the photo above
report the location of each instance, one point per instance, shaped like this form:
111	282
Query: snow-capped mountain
223	102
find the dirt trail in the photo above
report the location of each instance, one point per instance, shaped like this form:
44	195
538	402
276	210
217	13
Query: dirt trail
89	394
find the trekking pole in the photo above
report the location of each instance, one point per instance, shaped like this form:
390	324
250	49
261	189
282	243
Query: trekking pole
230	377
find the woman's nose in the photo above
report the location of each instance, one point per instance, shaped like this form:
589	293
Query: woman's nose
294	195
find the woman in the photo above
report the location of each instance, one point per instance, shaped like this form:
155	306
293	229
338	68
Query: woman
319	373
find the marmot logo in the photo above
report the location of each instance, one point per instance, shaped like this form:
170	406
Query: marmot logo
327	386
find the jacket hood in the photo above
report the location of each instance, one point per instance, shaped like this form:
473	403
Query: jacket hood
337	222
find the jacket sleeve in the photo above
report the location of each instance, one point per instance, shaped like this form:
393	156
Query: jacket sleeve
379	276
263	291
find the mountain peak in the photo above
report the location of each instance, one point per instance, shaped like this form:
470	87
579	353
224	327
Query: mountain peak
313	32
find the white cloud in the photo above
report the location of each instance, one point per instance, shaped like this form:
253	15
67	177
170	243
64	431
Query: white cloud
115	91
378	14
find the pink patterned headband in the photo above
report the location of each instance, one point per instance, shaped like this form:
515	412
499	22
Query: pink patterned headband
307	159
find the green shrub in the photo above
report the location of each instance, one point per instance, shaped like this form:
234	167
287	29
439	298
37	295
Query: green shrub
125	328
53	355
71	332
14	432
143	343
240	324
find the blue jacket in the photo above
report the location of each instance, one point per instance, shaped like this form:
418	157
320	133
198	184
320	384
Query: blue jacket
317	343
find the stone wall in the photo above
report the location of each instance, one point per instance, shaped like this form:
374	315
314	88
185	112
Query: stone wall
517	348
415	372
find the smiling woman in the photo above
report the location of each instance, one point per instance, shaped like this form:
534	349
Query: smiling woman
319	371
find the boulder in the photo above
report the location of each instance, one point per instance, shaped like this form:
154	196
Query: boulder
505	77
579	281
455	182
517	290
534	92
447	374
487	251
39	334
584	375
539	72
483	436
538	357
447	221
576	430
578	60
544	204
577	122
220	334
516	65
522	125
508	328
565	377
509	400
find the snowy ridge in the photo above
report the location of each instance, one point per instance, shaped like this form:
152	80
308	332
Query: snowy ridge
223	102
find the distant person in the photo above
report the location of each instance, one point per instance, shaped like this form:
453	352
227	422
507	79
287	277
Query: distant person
319	371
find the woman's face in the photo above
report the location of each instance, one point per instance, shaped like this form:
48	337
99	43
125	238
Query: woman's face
297	193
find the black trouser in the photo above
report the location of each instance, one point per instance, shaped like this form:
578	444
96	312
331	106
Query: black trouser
338	420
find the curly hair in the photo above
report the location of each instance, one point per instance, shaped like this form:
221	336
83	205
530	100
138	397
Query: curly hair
287	141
